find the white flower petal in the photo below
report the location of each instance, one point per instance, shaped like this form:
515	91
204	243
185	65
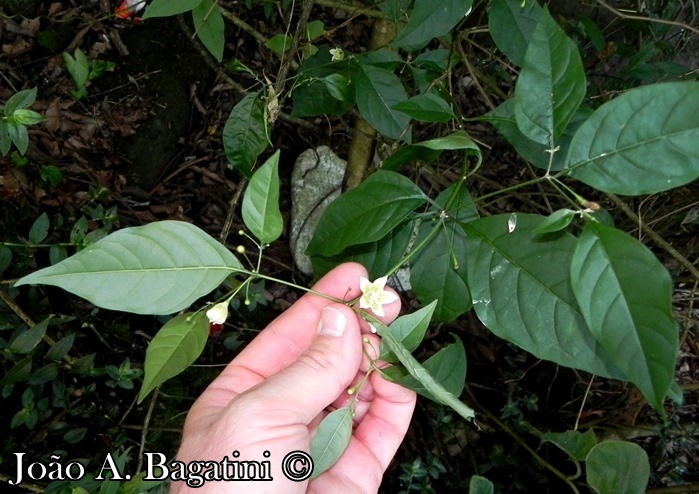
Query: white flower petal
218	313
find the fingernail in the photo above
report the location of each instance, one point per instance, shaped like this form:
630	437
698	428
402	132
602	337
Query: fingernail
332	322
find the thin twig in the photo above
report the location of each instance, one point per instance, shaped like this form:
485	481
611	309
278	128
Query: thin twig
632	17
474	77
287	59
232	206
144	431
354	8
22	485
244	26
660	241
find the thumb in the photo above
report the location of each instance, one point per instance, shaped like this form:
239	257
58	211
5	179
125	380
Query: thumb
323	371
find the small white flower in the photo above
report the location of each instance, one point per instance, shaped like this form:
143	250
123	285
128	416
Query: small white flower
218	313
337	54
374	296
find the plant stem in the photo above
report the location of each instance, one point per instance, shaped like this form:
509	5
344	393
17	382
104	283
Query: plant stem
536	456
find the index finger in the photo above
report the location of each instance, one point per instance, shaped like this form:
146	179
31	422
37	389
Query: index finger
290	334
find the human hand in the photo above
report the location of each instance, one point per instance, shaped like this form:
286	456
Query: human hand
274	394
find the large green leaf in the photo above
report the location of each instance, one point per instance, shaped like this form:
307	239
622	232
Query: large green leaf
511	24
377	91
625	296
431	19
260	207
503	119
245	134
174	348
521	289
642	142
438	272
160	268
618	467
551	84
166	8
429	151
209	26
377	257
331	439
447	367
320	82
365	214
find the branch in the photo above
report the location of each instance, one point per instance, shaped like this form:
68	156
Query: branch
632	17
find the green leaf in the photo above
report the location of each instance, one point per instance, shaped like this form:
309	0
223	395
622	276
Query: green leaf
511	24
160	268
5	257
480	485
503	119
39	229
57	253
245	134
78	67
618	467
365	214
20	100
332	438
522	292
19	372
428	107
643	142
5	139
209	26
312	96
45	374
174	348
431	19
394	9
377	257
166	8
429	151
409	330
551	84
261	202
625	296
338	86
576	444
279	43
20	136
556	221
61	348
27	117
447	367
376	91
27	340
315	29
438	272
422	374
75	435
